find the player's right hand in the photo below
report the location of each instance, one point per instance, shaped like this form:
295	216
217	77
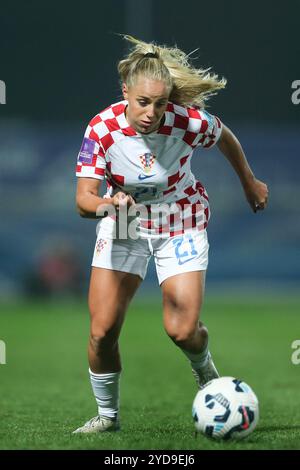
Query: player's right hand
121	199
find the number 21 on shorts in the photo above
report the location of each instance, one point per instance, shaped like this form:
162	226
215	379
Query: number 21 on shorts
184	248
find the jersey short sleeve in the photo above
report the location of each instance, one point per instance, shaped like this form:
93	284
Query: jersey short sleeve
210	128
195	126
91	158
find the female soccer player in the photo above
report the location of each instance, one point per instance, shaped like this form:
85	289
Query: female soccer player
153	206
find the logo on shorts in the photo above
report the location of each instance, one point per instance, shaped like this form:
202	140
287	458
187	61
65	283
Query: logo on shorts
147	160
100	245
180	262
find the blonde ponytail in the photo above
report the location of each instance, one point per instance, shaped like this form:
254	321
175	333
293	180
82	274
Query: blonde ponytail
188	86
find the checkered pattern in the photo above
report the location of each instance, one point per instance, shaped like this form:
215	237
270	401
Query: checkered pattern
154	168
100	245
195	127
106	128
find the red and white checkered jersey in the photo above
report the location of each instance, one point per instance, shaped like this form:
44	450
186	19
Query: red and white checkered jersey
154	168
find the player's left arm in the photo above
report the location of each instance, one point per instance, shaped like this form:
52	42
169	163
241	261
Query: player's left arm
256	191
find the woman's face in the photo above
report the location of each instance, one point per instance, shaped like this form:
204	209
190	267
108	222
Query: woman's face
147	102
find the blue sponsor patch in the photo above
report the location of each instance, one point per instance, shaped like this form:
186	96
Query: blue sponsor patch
87	150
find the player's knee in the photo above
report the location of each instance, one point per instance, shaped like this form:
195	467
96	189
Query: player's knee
180	334
102	338
183	334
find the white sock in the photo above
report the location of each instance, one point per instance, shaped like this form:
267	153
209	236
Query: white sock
106	392
197	360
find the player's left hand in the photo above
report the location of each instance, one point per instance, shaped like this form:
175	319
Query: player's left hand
257	194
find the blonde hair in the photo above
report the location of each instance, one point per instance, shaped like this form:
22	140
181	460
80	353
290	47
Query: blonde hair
188	86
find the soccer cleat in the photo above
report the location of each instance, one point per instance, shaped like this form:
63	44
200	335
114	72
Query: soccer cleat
206	373
99	424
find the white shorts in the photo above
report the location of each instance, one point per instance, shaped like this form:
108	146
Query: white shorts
174	255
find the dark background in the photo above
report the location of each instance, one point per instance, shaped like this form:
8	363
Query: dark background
58	61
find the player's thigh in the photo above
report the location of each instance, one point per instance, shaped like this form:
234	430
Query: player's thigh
182	300
110	293
183	296
118	267
181	263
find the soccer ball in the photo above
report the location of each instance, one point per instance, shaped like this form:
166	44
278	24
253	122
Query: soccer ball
226	408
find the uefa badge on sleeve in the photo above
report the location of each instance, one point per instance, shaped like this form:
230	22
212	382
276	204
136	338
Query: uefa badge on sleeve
87	151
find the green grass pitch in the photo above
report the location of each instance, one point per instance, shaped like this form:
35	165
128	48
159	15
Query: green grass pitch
45	390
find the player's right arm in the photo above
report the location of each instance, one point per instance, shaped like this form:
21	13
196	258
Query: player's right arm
88	201
87	197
